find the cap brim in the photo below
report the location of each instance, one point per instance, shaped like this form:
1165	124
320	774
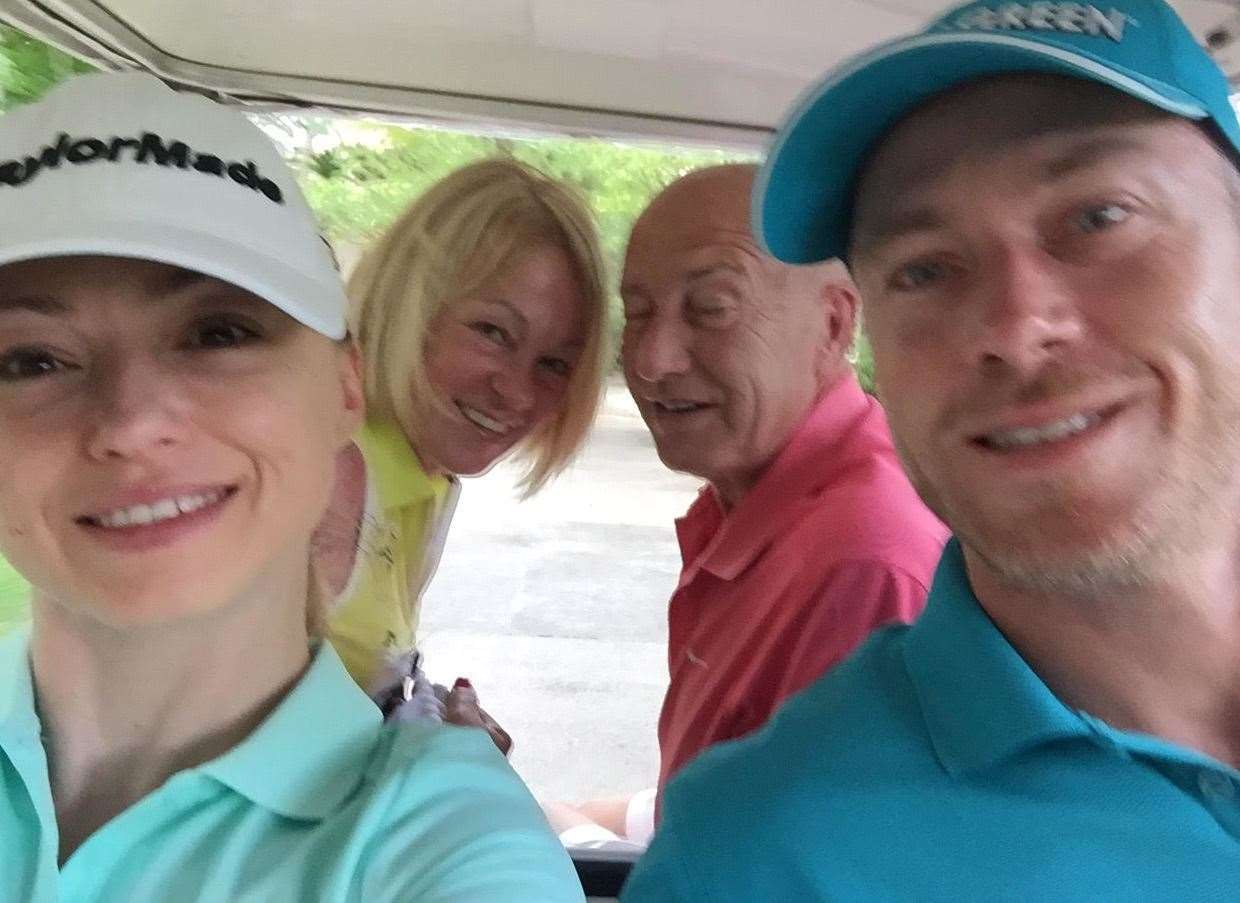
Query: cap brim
802	197
271	279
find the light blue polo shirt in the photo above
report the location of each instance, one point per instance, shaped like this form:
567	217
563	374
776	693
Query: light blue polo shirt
321	803
934	765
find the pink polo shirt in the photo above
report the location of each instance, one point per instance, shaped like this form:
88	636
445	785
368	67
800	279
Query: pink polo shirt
830	543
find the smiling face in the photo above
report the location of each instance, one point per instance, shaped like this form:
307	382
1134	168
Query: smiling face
725	349
499	361
1050	271
170	439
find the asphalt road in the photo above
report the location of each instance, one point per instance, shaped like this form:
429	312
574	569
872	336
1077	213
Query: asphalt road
556	609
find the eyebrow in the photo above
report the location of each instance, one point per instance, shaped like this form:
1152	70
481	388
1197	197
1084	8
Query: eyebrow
1078	157
1087	154
511	308
181	280
906	222
714	268
39	304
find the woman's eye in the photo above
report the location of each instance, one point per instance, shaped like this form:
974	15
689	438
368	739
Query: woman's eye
28	363
919	275
557	366
1103	216
490	331
221	335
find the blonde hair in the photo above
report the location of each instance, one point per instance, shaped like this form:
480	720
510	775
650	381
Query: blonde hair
461	233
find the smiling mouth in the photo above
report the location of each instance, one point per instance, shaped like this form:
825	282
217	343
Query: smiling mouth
157	512
677	406
484	422
1027	437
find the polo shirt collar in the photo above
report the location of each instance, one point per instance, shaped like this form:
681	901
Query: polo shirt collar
395	469
310	754
981	701
813	457
304	760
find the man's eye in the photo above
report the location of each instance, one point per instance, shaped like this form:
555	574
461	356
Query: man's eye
28	363
712	308
1103	216
490	331
225	334
919	275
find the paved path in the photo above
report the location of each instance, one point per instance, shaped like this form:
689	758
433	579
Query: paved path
556	609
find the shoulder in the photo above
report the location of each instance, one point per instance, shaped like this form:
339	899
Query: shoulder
457	819
871	512
419	759
393	468
826	767
815	735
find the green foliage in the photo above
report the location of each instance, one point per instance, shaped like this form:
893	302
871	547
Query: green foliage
28	68
379	169
376	170
14	597
863	362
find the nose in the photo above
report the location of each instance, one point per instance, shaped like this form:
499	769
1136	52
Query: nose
657	348
138	412
1028	312
515	387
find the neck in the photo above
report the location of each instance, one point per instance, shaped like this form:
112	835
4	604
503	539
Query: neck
125	709
733	485
1161	658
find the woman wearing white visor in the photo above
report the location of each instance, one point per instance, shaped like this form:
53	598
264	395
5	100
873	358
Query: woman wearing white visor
175	385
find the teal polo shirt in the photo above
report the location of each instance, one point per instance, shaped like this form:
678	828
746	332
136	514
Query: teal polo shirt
322	802
934	765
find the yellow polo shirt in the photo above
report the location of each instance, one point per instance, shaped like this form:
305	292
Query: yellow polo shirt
404	525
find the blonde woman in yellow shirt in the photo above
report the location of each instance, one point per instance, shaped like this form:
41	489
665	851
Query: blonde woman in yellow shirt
480	316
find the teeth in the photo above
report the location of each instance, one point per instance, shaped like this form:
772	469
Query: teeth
1023	437
478	418
679	407
165	509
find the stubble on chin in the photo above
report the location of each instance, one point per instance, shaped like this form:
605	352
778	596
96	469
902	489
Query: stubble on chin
1199	498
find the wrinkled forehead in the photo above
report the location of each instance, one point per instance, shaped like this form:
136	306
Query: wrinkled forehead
682	232
987	119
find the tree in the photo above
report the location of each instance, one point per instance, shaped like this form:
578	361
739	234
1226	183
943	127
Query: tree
28	68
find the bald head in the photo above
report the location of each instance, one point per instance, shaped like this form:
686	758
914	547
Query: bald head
713	198
725	348
711	205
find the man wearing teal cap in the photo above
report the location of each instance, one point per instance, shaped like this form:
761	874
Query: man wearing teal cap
1041	206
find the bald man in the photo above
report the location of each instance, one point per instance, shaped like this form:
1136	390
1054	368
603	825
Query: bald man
806	535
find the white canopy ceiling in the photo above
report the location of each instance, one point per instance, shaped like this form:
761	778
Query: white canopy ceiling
713	70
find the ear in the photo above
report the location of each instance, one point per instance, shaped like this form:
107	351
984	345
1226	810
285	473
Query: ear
349	362
839	301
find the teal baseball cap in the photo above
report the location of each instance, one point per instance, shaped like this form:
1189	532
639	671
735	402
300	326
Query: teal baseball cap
803	195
